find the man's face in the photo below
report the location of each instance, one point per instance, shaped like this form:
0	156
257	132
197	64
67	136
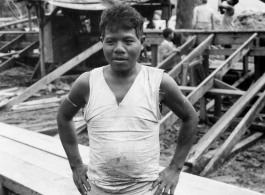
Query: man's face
121	49
171	36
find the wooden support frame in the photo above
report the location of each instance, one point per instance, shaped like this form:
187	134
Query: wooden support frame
170	61
253	52
221	125
192	55
204	143
235	136
7	46
170	118
11	60
55	74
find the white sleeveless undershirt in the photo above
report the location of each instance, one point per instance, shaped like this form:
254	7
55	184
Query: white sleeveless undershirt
124	138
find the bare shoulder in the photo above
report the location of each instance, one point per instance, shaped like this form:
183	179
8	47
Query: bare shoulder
169	88
79	92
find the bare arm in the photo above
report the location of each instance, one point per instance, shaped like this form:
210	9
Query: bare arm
67	110
230	9
213	22
194	19
179	104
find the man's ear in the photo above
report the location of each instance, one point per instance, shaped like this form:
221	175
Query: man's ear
142	39
101	39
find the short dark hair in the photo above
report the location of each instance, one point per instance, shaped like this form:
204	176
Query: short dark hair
121	16
166	32
235	2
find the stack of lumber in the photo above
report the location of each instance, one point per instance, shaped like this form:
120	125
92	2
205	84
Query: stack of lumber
7	94
37	104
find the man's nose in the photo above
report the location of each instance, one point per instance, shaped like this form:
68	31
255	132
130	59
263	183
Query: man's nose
119	48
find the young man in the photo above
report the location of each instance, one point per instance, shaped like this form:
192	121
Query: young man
227	7
167	47
203	17
120	102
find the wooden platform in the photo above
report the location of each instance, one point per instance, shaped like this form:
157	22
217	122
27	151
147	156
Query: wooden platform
32	163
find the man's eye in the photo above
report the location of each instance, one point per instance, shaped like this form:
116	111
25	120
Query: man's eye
129	41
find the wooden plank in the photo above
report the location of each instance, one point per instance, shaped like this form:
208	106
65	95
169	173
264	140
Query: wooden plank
242	145
255	126
39	141
188	184
245	77
226	52
237	55
24	178
223	152
22	151
192	55
170	61
10	44
17	22
222	85
55	74
222	37
221	125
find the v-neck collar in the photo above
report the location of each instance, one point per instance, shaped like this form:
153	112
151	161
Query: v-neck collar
118	104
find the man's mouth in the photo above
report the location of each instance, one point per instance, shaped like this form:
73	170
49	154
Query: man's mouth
119	59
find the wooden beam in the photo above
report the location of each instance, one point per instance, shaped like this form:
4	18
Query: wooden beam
192	55
17	22
11	60
10	44
255	126
55	74
170	61
237	55
242	145
222	85
223	152
226	52
245	77
221	125
222	37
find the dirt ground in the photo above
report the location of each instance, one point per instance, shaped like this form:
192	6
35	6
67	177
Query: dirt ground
245	169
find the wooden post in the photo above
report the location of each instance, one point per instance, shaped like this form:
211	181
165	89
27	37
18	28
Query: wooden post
2	190
40	14
218	102
29	6
154	54
205	64
245	65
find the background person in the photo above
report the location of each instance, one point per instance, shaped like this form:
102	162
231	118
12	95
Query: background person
167	47
203	17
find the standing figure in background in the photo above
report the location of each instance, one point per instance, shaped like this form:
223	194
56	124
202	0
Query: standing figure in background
227	7
203	17
167	47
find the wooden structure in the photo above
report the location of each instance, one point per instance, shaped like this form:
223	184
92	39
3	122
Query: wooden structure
23	43
24	171
245	44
